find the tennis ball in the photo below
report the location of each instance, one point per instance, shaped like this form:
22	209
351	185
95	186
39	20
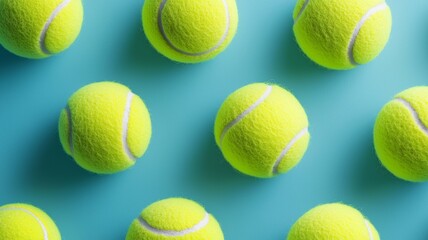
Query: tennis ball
24	222
105	127
341	34
401	135
334	221
190	31
174	219
39	28
262	130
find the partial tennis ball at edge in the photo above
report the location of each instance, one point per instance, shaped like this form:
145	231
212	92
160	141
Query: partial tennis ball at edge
262	130
105	127
190	31
401	135
341	34
22	221
334	221
39	28
175	219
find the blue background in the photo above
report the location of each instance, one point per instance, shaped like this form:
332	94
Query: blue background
183	159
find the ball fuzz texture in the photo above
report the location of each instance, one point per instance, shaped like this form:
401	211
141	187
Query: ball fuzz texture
262	130
39	28
175	219
334	221
341	34
105	127
25	222
401	135
190	31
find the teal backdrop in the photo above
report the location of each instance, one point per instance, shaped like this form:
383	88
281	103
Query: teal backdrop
183	159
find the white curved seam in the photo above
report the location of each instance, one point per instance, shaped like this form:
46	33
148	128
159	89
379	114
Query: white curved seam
415	115
357	29
53	15
219	43
70	129
246	112
301	10
369	229
287	148
125	126
172	233
45	232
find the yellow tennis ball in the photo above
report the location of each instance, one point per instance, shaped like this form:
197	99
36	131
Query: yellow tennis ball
341	34
334	221
39	28
190	31
262	130
401	135
105	127
175	219
23	221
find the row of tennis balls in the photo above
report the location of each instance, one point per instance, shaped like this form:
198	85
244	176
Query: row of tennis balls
336	34
183	219
261	129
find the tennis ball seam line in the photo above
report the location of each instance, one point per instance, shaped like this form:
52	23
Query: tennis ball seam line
125	126
70	129
414	113
360	24
301	11
287	148
42	38
172	233
247	111
45	232
168	41
366	222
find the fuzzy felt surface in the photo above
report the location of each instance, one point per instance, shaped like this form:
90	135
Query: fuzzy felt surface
22	23
324	29
333	221
175	214
190	31
21	222
400	136
97	113
66	27
253	144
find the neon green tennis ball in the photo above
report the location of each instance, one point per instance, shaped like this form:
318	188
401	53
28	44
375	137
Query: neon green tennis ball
262	130
105	127
334	221
175	219
341	34
39	28
401	135
190	31
25	222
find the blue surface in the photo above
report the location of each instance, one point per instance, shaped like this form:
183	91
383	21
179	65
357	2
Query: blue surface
182	159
